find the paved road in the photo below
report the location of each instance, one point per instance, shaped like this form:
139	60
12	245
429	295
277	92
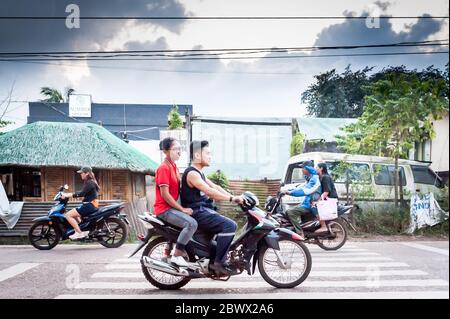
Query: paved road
358	270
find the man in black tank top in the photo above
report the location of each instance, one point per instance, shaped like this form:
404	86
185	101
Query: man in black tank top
198	192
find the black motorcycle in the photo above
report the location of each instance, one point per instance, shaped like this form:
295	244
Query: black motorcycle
333	239
283	260
106	225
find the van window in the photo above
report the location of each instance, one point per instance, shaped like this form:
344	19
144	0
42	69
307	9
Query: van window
356	172
424	175
295	174
384	175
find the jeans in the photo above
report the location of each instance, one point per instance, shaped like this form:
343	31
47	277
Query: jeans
181	220
212	222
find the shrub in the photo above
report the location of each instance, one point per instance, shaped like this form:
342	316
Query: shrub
219	178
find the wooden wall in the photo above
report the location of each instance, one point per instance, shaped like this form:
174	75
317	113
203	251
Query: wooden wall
114	184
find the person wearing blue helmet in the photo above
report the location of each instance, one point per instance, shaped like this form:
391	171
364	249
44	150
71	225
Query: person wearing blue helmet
310	193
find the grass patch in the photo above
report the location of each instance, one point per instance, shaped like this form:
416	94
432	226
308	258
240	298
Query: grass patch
395	221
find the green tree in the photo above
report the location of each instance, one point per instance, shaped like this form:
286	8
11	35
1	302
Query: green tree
398	111
297	143
68	92
342	95
175	120
51	95
337	95
219	178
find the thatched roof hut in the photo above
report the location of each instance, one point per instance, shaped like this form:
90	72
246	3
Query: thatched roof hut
37	158
70	145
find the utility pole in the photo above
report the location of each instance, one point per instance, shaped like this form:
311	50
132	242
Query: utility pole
188	127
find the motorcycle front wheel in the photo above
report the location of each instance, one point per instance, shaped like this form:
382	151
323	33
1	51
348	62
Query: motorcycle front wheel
43	236
293	268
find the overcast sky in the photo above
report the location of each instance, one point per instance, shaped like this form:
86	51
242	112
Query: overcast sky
257	87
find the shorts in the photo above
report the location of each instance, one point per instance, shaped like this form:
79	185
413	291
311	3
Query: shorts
86	209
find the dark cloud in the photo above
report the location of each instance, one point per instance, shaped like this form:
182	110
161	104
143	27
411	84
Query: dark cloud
183	65
159	44
51	35
355	31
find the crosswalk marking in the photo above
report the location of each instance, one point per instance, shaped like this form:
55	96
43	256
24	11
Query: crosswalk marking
324	264
427	248
16	270
335	259
360	272
262	284
423	294
312	248
314	255
320	274
333	264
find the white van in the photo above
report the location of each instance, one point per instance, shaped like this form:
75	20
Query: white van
377	173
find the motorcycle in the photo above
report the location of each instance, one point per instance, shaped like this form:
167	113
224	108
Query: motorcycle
107	225
333	239
282	258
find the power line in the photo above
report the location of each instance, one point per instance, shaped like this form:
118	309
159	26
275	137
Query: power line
233	58
220	17
335	47
274	50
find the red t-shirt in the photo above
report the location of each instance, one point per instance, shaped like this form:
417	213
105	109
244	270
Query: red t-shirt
166	174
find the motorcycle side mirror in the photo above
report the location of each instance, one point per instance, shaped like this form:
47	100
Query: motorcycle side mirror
282	184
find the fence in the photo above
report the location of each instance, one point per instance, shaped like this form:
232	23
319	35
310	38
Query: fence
31	210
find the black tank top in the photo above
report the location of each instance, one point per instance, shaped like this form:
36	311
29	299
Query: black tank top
191	196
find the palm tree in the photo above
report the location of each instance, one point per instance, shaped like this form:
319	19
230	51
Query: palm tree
68	92
52	95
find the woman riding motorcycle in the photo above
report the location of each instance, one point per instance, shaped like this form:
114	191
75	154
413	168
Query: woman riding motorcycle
89	205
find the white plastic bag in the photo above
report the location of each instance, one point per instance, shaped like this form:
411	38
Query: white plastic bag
425	211
327	209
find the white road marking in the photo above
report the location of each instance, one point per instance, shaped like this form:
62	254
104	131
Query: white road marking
118	275
313	274
320	274
427	248
433	294
261	284
311	248
323	264
357	265
16	270
367	273
314	255
337	258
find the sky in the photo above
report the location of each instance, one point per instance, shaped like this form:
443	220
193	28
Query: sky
238	88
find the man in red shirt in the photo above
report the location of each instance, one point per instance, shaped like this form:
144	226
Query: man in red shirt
167	208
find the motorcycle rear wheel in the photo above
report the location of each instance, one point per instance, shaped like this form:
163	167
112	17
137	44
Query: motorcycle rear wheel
340	231
118	236
155	250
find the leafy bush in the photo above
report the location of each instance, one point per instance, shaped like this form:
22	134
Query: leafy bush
297	144
175	120
219	178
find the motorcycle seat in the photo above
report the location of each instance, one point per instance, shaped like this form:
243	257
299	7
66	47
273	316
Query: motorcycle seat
103	209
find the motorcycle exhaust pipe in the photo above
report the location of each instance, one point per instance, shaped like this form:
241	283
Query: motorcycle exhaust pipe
163	267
